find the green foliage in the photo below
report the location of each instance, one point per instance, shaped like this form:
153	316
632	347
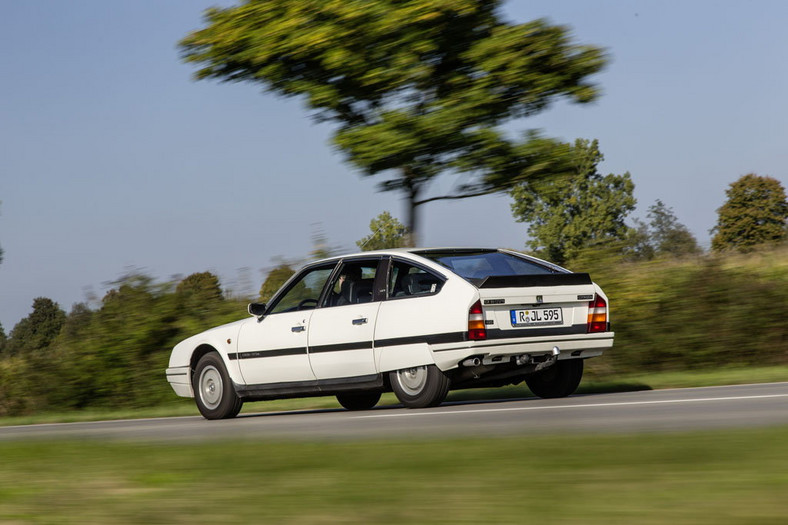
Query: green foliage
18	393
387	232
199	293
114	356
276	278
578	210
34	333
664	235
702	313
755	213
202	287
3	339
77	320
417	88
708	312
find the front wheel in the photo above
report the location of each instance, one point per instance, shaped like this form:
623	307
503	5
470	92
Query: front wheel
559	380
213	390
420	386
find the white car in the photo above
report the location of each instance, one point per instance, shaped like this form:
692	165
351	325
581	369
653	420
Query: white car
415	321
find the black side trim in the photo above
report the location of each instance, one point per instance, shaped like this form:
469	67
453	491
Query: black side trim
435	339
432	339
340	347
497	333
548	279
268	353
301	350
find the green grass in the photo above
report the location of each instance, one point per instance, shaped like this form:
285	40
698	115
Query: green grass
690	478
590	385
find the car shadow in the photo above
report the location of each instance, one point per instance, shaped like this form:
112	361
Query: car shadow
467	397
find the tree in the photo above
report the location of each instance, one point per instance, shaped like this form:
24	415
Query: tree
36	332
3	340
276	278
417	88
578	210
666	235
387	232
200	287
199	294
756	212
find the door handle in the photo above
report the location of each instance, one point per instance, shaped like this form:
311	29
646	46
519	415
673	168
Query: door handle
360	321
297	329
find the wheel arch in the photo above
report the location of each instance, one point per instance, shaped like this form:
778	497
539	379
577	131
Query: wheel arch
199	352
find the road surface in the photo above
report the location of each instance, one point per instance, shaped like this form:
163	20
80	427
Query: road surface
648	411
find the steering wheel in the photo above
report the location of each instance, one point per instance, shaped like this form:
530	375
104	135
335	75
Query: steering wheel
304	302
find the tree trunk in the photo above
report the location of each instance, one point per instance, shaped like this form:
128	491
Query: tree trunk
413	224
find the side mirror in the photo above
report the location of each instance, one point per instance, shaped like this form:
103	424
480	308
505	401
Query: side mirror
256	309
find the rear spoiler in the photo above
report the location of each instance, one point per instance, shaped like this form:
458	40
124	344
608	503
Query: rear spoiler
547	279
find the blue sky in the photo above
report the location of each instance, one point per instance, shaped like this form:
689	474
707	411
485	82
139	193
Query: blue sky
112	158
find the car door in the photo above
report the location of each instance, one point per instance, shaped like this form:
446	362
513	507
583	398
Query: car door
342	330
273	349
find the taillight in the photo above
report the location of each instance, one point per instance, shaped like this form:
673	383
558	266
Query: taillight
597	315
476	328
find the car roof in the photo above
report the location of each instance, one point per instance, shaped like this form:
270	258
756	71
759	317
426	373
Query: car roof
413	251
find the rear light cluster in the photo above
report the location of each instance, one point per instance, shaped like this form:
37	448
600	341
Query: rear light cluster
476	328
597	315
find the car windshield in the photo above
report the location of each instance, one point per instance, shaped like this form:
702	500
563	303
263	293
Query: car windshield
477	265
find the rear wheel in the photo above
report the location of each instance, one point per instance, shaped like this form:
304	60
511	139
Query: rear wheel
213	390
559	380
420	386
359	400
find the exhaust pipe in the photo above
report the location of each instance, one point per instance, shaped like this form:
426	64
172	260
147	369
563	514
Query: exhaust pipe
473	361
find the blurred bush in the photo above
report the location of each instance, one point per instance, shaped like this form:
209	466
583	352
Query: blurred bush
115	356
707	311
703	312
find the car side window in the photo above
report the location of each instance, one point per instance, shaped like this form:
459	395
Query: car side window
353	284
407	280
304	292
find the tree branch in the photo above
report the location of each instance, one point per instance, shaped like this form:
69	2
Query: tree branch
456	197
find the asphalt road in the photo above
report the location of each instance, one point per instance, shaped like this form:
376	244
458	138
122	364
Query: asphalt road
648	411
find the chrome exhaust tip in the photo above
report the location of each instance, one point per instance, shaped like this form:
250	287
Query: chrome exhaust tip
473	361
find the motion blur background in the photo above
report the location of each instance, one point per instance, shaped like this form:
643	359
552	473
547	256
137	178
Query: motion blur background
113	158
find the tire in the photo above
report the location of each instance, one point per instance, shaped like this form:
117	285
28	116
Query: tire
420	386
560	380
359	400
213	390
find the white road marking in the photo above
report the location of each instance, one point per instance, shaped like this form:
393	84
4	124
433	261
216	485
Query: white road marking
590	405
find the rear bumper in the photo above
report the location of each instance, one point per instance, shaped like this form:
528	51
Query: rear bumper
180	379
575	346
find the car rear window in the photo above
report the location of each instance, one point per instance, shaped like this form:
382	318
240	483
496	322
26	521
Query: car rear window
476	266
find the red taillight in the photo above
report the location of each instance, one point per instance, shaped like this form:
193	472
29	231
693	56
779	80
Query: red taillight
597	315
476	328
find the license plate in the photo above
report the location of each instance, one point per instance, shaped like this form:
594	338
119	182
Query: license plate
537	317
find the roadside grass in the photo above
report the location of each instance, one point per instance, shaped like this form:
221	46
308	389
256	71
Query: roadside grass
728	477
590	385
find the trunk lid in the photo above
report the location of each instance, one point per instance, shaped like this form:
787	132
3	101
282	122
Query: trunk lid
530	302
